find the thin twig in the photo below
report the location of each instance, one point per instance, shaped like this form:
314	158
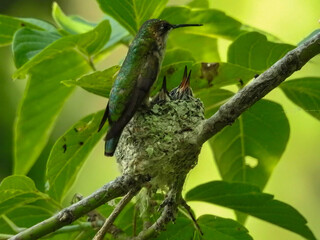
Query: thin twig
107	224
188	208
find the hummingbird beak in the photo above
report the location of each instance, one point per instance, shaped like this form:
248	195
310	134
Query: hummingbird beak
186	82
174	26
184	77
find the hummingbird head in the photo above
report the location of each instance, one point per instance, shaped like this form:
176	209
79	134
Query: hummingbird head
159	29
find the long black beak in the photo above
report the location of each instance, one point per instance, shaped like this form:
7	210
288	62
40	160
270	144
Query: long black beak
186	25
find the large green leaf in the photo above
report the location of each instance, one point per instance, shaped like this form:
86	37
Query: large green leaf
8	26
254	51
132	13
118	33
71	24
29	42
205	75
99	82
28	215
17	191
66	58
215	23
182	228
219	74
250	200
248	150
213	99
172	67
305	92
75	25
203	47
69	154
213	228
217	228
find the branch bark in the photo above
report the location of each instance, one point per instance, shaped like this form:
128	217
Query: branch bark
117	188
258	88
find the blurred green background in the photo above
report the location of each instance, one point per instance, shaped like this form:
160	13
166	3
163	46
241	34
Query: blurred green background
296	180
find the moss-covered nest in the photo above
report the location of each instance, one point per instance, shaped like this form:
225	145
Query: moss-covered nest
157	141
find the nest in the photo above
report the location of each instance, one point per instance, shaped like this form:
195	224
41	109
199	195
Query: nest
157	141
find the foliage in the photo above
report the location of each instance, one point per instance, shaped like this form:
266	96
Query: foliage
56	59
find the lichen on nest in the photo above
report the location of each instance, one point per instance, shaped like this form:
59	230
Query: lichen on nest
156	142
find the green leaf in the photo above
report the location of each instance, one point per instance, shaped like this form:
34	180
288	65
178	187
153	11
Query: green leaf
69	154
182	229
39	24
28	215
254	51
219	74
70	24
172	67
206	75
305	92
250	200
17	191
206	46
84	45
248	150
199	4
29	42
9	25
132	13
215	23
213	99
66	58
117	34
99	82
217	228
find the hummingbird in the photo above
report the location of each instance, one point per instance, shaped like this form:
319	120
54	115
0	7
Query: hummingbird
183	91
137	74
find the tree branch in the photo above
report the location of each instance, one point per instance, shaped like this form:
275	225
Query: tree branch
258	88
119	187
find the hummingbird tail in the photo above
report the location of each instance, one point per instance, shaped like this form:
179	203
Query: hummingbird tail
110	146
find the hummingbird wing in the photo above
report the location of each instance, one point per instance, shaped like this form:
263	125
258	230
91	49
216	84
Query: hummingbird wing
104	118
147	76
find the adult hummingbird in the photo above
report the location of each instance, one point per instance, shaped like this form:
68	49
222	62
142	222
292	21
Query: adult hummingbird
137	74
